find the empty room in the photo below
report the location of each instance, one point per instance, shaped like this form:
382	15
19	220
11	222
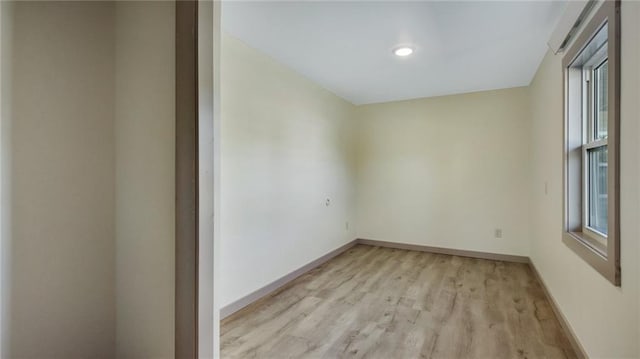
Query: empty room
320	179
399	180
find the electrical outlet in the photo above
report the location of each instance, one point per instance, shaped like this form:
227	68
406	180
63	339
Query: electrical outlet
346	226
498	233
546	187
327	202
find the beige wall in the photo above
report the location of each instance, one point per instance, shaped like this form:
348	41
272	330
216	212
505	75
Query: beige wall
62	250
446	171
604	318
6	29
286	147
87	168
92	252
145	138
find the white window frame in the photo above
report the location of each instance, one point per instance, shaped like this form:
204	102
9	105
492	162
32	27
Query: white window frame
600	251
591	141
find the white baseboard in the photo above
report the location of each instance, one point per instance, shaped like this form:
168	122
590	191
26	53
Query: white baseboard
564	323
449	251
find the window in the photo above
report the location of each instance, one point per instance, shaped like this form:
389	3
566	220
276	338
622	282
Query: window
591	151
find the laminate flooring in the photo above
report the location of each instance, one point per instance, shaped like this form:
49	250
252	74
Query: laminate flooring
373	302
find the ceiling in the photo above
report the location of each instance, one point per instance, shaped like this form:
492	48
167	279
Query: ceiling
346	46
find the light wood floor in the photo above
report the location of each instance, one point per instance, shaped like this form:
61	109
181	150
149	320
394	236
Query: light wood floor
387	303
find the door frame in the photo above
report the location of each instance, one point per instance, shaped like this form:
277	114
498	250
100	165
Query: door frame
186	162
197	177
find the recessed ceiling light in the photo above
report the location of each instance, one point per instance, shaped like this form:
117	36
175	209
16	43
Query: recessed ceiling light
403	51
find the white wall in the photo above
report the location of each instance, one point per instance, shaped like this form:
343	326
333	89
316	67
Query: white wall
145	190
209	45
62	279
446	171
286	147
604	318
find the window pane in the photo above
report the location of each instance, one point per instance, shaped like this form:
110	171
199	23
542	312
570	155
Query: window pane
598	202
601	94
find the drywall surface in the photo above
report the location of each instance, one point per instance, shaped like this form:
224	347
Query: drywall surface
604	318
145	191
631	227
209	45
446	171
286	149
62	291
6	25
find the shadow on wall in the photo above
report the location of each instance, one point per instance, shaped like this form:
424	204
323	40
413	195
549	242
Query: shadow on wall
87	128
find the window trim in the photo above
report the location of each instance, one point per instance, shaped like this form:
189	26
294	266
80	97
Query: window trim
604	259
590	142
599	240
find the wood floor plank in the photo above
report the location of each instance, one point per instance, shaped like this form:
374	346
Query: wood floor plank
374	302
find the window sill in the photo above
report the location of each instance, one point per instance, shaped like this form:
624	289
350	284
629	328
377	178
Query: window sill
594	253
591	242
